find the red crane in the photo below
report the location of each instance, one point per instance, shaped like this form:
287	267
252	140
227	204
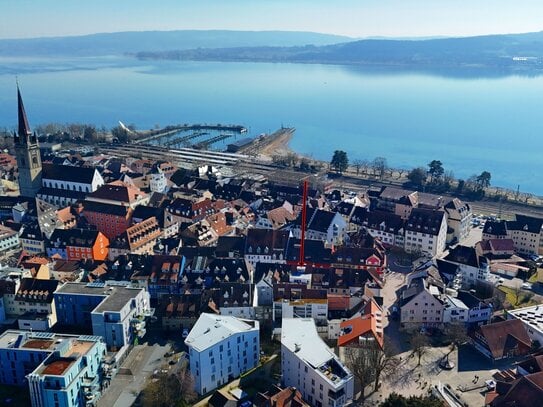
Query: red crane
301	262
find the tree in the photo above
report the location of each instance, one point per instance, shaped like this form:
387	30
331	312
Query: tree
90	133
483	180
436	170
170	389
457	334
120	134
379	166
397	400
369	362
419	343
417	176
339	162
358	165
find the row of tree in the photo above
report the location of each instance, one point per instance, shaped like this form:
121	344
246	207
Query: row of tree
436	179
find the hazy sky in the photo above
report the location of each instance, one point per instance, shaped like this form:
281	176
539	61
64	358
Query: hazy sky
357	18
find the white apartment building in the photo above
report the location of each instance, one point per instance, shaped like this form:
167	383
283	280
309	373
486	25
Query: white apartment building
458	219
470	265
421	305
454	310
426	232
221	348
308	364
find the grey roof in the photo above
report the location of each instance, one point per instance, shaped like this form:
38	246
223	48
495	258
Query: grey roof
211	329
82	175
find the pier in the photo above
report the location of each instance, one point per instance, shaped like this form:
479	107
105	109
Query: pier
183	139
204	144
169	130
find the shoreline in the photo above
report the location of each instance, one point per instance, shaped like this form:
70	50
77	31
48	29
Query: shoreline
280	146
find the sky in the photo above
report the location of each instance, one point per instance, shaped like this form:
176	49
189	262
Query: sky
355	18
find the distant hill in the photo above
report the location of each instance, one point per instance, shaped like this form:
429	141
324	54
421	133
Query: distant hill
505	51
156	41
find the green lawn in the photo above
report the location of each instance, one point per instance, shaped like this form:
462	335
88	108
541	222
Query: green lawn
524	299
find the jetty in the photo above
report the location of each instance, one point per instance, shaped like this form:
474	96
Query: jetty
170	130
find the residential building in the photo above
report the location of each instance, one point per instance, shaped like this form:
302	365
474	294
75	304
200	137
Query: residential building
137	239
479	311
308	364
27	152
329	227
359	330
77	244
110	219
266	246
32	239
292	300
525	231
386	226
118	193
236	299
501	340
426	232
278	397
9	239
454	310
60	370
115	312
469	264
420	305
35	305
157	179
458	220
220	349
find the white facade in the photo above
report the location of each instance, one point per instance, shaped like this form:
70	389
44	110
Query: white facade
425	242
308	364
157	181
316	309
458	218
9	239
97	181
454	310
334	233
221	348
423	309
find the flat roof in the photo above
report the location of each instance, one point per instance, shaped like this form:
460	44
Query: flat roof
82	288
117	299
57	367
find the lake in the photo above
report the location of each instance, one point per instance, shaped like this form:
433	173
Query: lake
471	121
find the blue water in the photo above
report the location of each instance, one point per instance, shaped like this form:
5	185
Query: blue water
471	122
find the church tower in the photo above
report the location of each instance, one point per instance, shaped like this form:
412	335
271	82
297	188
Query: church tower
27	151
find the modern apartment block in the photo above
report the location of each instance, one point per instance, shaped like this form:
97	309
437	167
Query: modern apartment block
61	370
115	312
221	348
308	364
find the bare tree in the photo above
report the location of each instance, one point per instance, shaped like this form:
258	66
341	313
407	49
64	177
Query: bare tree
457	334
419	343
358	165
379	166
369	362
170	389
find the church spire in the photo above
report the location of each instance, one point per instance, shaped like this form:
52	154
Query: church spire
24	128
